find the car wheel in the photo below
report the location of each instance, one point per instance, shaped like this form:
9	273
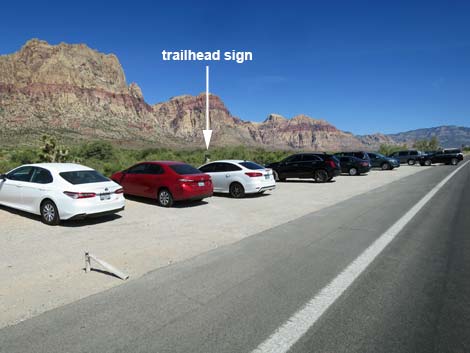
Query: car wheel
236	190
320	176
427	162
454	161
411	162
386	166
352	171
165	199
276	177
49	213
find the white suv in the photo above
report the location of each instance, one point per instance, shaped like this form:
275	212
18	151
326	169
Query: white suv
238	177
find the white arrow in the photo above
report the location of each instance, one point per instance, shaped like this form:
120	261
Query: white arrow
207	132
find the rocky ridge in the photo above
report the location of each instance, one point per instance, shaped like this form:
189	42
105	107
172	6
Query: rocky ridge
79	93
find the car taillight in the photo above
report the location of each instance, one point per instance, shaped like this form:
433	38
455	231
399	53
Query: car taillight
254	174
119	191
185	180
332	164
79	195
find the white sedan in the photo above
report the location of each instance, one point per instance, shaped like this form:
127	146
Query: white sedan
60	191
238	177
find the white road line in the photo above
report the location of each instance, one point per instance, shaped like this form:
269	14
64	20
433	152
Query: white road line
298	324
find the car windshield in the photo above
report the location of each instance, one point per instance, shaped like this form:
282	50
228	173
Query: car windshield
78	177
251	165
184	169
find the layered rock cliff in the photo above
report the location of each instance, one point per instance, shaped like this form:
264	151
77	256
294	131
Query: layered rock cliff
72	90
79	93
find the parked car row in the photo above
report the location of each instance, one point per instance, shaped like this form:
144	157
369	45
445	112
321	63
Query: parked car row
447	156
64	191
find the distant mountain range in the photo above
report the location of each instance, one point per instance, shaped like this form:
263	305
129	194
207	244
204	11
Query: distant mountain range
448	135
79	93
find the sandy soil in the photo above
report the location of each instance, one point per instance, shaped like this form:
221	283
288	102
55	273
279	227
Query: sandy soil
42	266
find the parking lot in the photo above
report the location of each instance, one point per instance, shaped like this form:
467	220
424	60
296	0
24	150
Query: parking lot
42	266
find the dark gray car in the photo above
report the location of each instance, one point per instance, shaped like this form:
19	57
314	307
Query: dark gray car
409	156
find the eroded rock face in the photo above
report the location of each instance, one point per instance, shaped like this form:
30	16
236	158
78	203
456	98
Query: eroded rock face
72	90
303	132
81	94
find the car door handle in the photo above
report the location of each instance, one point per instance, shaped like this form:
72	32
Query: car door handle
19	186
227	175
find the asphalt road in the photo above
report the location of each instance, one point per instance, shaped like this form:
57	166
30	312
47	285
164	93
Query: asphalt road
414	297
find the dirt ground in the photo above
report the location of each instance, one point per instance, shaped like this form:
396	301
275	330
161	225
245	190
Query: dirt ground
43	267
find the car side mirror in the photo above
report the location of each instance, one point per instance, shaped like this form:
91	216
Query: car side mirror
3	177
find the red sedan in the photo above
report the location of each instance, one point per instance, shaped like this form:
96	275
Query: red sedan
165	181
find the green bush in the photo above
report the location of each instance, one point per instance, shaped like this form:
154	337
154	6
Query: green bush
108	159
100	150
25	156
387	150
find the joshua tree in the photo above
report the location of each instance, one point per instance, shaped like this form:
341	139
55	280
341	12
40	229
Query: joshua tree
51	151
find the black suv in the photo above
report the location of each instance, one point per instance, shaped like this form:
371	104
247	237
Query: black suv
321	167
447	156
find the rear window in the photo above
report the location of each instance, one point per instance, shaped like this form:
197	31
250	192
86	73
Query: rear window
83	177
184	169
251	165
452	150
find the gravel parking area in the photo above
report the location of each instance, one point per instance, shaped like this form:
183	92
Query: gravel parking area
42	266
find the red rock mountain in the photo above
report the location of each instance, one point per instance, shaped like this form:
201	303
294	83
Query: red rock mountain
80	93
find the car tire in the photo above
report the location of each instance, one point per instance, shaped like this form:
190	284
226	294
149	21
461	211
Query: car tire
320	176
276	176
49	213
353	171
165	198
386	166
427	162
237	190
454	161
411	162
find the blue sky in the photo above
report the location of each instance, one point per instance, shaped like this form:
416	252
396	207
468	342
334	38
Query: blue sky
365	66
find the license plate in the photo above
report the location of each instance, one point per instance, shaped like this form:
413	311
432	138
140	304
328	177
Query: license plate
105	197
267	176
201	183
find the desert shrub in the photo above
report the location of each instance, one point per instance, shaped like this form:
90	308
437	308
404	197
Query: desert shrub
389	149
100	150
24	156
108	159
6	165
427	145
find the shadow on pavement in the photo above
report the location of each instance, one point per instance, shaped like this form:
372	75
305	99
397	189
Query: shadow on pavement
177	204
